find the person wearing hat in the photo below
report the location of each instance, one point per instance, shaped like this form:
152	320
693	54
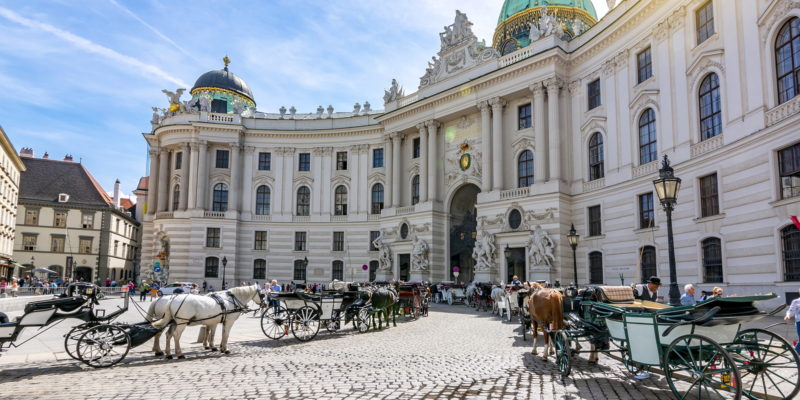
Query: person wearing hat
143	289
648	290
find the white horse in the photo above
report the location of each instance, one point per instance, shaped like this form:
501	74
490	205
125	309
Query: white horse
498	305
189	310
158	310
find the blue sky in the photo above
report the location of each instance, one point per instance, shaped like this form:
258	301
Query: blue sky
79	77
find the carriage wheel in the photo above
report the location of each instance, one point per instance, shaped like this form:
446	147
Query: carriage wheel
698	367
71	340
305	323
508	309
361	322
103	346
275	322
425	309
767	364
632	367
450	300
563	352
525	326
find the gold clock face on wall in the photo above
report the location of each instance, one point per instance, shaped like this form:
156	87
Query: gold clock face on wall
465	161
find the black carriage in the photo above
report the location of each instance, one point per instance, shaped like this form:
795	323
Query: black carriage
303	313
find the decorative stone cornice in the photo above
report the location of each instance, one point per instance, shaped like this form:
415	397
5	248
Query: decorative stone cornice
363	148
484	106
661	30
621	59
396	136
421	127
553	84
537	89
497	103
609	68
574	86
676	20
523	143
153	151
318	151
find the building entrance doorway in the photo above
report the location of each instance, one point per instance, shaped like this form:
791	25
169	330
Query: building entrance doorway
516	265
463	230
83	274
405	267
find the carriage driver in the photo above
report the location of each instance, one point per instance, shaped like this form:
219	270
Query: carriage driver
648	290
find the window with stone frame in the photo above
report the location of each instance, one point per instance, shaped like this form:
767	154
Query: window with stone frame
790	240
644	65
340	200
595	221
304	162
260	240
220	198
85	245
704	18
176	197
415	190
341	160
116	247
299	270
712	260
31	216
222	159
593	89
377	198
710	107
787	63
646	211
57	244
178	160
525	169
259	269
338	241
789	171
524	120
647	255
213	236
60	218
372	236
709	196
337	270
596	157
596	268
415	148
300	241
29	242
303	201
264	161
212	267
377	158
648	150
263	198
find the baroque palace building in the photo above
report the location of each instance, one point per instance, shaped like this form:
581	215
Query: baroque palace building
563	120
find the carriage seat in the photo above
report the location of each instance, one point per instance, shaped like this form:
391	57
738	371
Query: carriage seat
615	294
65	304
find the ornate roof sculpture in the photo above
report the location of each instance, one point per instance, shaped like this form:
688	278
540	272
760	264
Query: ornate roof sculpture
223	85
522	22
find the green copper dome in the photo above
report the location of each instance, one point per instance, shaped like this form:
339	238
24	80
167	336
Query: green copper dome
511	7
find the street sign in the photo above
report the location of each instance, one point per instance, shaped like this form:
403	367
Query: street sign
157	270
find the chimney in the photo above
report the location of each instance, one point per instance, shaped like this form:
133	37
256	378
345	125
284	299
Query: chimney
26	152
68	157
116	194
46	156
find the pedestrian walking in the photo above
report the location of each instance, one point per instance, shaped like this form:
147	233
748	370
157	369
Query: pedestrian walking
143	289
794	312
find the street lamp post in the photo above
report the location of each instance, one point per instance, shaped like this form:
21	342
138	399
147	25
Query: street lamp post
305	269
224	263
507	253
573	242
667	186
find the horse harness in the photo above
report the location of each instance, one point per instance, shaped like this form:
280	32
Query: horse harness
238	307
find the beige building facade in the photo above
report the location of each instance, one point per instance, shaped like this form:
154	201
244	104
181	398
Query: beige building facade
10	168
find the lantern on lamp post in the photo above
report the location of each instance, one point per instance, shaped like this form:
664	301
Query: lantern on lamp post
224	263
456	272
573	238
667	186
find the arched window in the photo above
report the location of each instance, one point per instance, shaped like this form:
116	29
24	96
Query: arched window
263	198
596	169
377	198
299	270
787	63
648	262
303	201
373	270
415	190
337	270
260	269
791	252
212	267
340	200
710	107
510	47
595	267
176	197
647	137
220	197
525	169
712	260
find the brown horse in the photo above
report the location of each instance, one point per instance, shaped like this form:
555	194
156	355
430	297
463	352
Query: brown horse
546	308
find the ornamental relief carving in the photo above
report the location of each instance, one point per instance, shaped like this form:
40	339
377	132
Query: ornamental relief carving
530	219
466	152
523	143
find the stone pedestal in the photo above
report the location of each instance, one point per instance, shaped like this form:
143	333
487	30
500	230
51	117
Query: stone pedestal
419	276
541	273
383	275
483	276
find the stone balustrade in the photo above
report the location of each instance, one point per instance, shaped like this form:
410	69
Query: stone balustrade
214	214
706	146
515	193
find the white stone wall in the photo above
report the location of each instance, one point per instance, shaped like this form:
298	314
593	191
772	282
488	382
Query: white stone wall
9	193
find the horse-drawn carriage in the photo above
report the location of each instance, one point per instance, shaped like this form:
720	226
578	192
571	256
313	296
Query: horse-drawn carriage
454	293
702	350
303	313
413	299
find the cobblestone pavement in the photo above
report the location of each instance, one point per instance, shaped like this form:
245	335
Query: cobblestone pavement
454	353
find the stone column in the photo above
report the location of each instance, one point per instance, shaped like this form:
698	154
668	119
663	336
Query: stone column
191	192
327	172
152	181
247	180
389	169
202	174
497	143
316	186
163	179
540	135
185	172
423	162
397	137
233	194
554	129
280	171
433	155
486	145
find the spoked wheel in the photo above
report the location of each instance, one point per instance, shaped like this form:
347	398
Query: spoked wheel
361	321
767	364
450	300
305	323
275	322
508	309
71	340
699	368
563	353
103	346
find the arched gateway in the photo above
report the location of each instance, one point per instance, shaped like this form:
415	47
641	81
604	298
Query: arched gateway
463	228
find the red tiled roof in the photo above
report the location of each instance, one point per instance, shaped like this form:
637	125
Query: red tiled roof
125	203
144	183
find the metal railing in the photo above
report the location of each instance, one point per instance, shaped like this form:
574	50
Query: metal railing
45	291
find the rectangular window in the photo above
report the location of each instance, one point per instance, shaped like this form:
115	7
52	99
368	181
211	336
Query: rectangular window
116	247
644	62
60	219
85	245
595	227
32	216
415	149
338	241
594	93
341	160
304	162
524	116
222	158
299	241
646	211
212	237
789	170
709	196
705	22
377	158
260	240
28	242
57	244
179	160
337	270
372	236
264	161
